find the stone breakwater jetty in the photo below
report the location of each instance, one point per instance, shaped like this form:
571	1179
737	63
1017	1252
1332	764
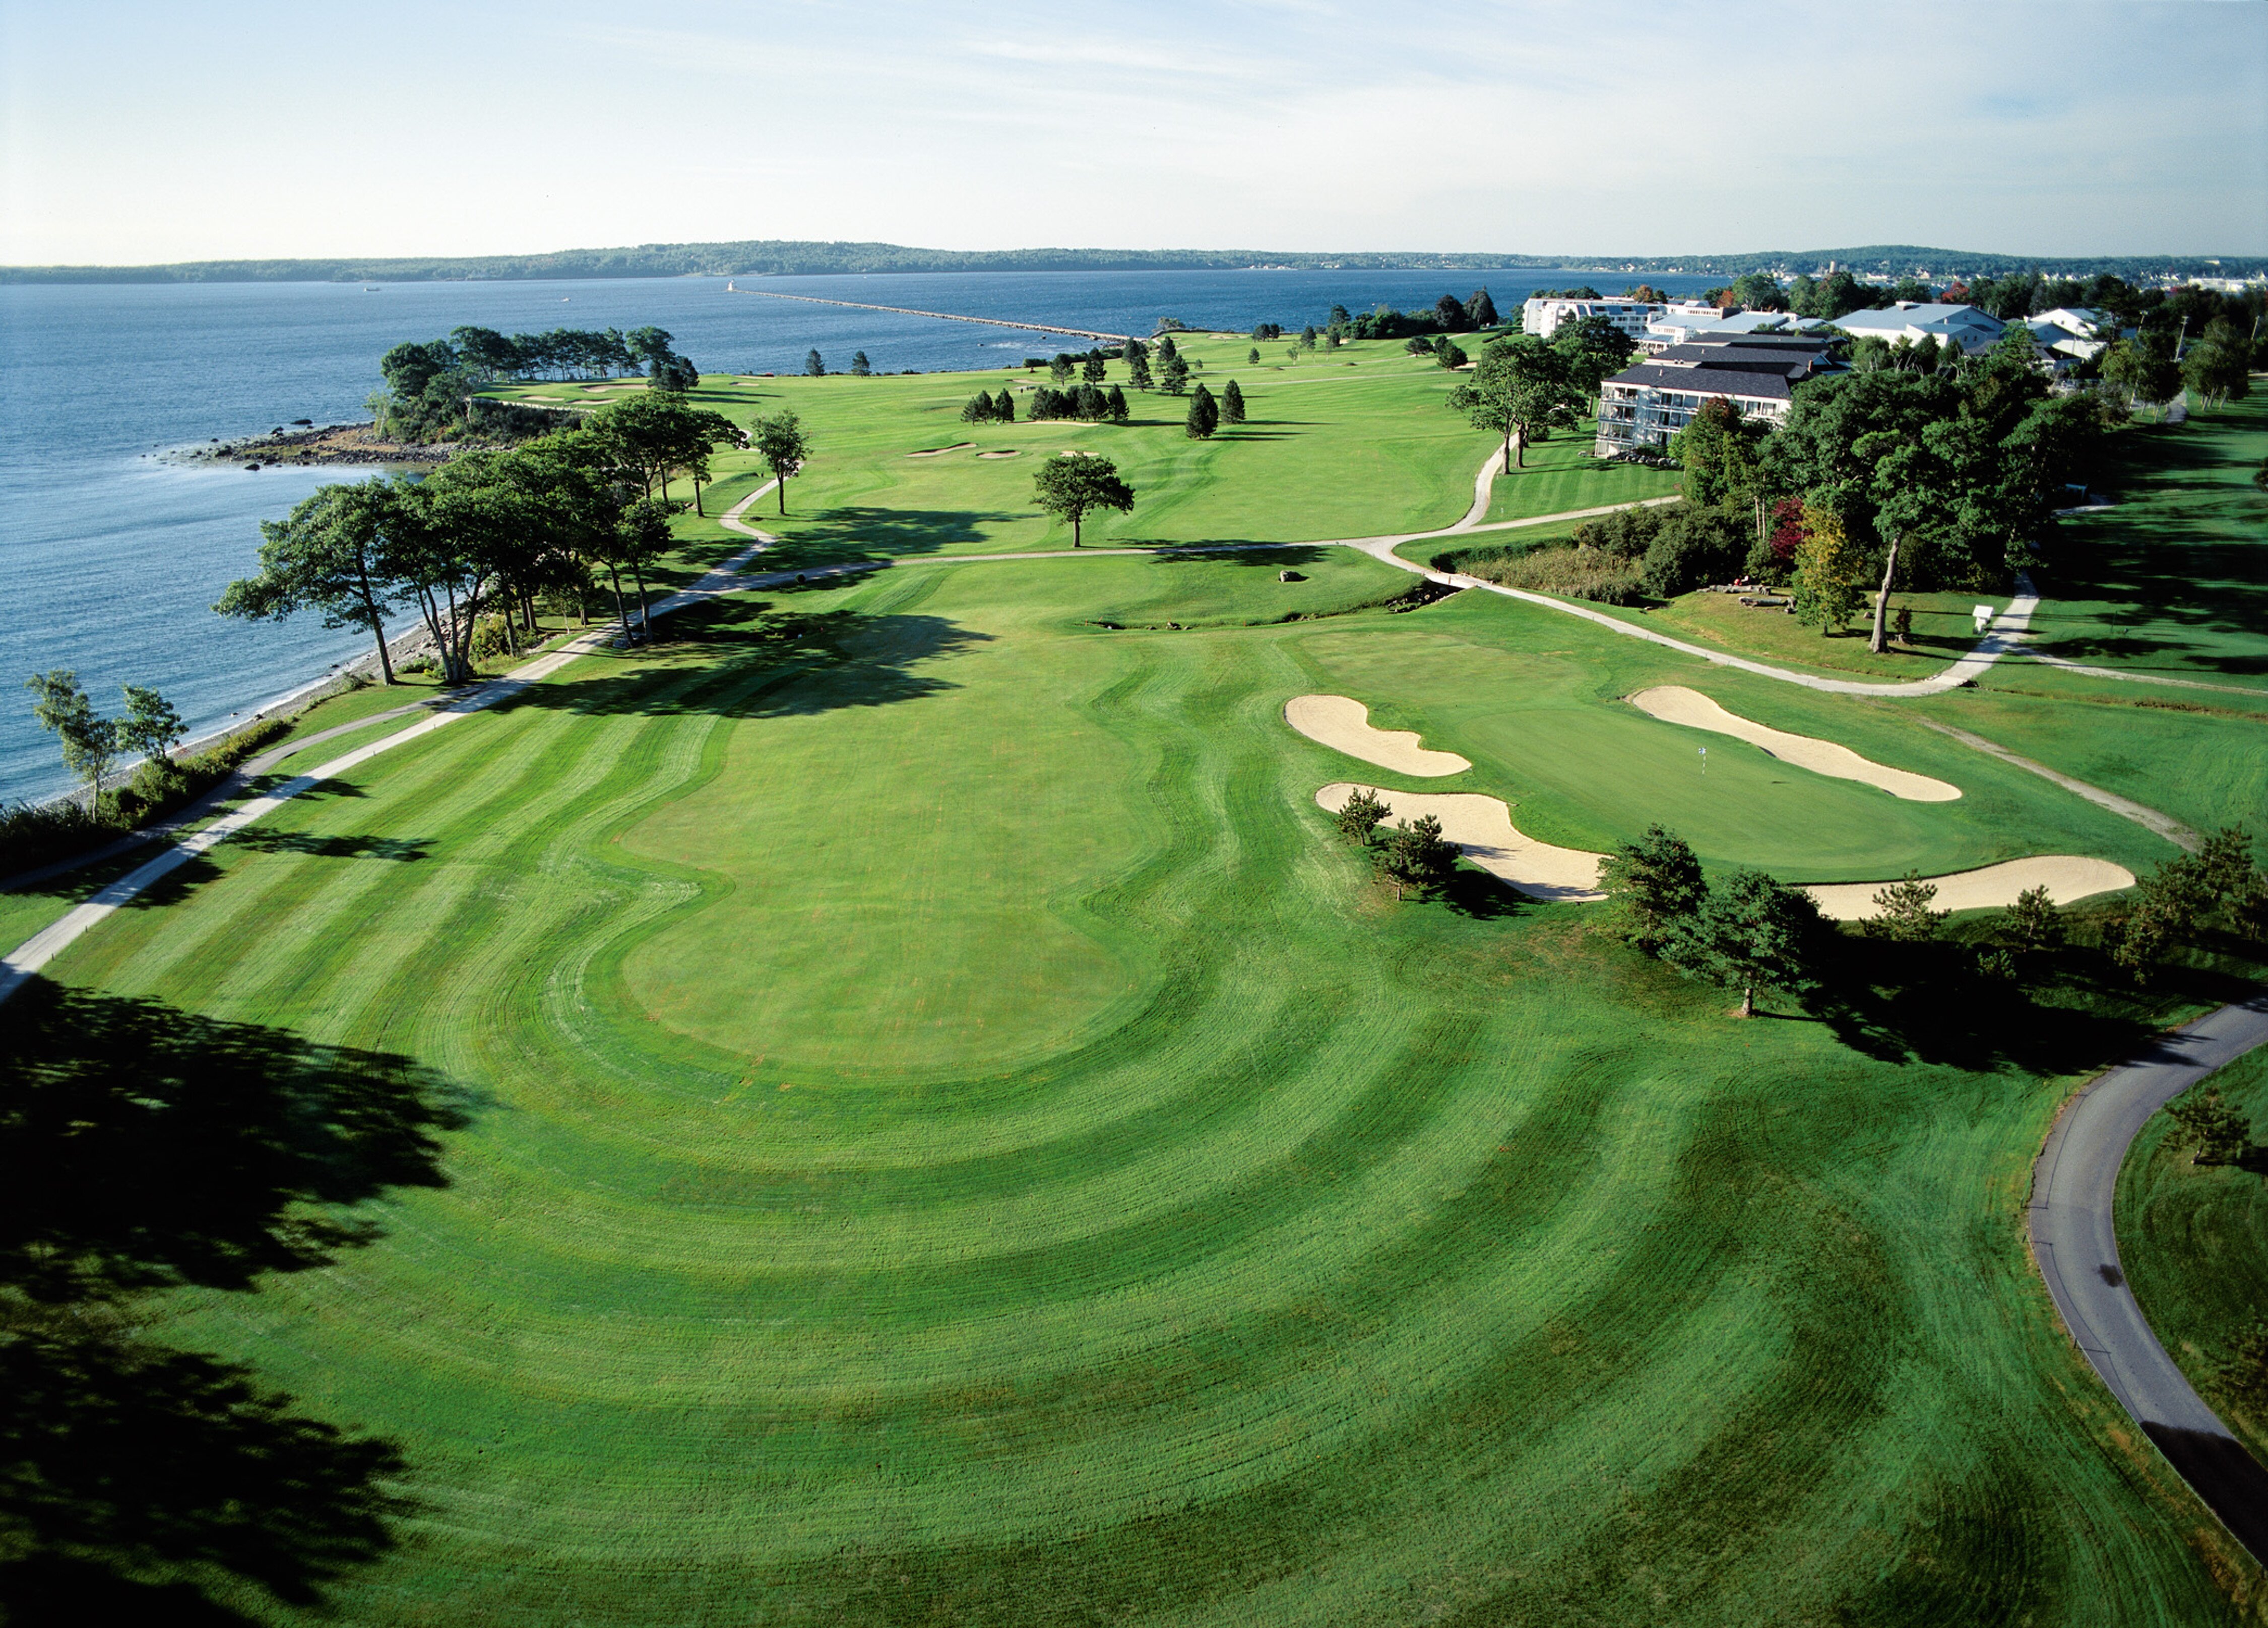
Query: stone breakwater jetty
942	316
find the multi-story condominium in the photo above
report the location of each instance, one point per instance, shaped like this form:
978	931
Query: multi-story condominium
1642	406
1544	316
1685	324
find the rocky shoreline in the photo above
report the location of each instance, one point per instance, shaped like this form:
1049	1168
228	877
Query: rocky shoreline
306	445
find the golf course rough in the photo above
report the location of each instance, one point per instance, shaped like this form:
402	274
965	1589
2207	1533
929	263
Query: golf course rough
949	1136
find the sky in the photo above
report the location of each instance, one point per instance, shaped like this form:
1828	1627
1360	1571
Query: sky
133	133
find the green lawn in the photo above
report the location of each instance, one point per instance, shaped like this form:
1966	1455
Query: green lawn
2172	579
928	1125
2194	1242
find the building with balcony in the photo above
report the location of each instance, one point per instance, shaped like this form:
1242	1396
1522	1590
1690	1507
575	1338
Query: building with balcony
1643	406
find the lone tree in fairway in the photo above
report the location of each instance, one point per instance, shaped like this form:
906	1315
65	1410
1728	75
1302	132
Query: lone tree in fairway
785	448
1232	401
90	743
1752	933
1204	415
1522	390
860	368
1070	485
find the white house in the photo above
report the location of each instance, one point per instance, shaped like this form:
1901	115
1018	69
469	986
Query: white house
1964	326
1543	316
2076	331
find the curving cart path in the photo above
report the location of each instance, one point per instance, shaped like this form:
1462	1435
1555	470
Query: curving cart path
2075	1246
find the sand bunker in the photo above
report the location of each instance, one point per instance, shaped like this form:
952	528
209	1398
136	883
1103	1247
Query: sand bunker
1674	703
1343	725
1010	452
940	452
1482	827
2066	876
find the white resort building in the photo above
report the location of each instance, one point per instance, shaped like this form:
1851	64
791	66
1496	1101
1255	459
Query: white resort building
1643	406
1544	316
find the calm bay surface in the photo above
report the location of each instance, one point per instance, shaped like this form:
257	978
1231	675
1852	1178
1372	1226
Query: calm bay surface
111	555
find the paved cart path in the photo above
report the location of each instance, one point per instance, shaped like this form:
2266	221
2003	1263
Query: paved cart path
2076	1245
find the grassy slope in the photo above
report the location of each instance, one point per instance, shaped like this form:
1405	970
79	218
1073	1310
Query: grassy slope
958	1141
914	1181
2194	1242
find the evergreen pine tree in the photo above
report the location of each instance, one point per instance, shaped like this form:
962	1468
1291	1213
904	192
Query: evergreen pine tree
1480	311
1004	407
813	367
1116	403
1204	415
1232	404
979	409
1253	356
1167	350
1175	378
1092	372
859	367
1088	404
1137	365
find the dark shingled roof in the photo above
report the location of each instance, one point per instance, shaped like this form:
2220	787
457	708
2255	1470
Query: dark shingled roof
1742	358
1704	381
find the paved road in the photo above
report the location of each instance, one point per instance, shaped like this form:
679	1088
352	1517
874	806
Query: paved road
2076	1248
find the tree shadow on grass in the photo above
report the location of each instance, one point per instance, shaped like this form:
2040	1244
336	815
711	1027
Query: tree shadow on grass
144	1148
2070	1012
855	532
1216	554
759	663
261	840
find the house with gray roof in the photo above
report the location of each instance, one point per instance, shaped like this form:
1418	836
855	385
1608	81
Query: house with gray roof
1965	325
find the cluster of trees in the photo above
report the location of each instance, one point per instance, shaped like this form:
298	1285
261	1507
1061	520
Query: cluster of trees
2219	885
1938	479
1749	932
150	728
1412	855
430	386
1087	402
488	533
2154	365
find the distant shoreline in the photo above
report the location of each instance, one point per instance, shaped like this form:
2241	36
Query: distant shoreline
763	258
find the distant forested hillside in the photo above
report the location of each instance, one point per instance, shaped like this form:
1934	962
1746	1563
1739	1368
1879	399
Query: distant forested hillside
768	257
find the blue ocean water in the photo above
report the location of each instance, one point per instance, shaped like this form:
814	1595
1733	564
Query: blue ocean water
110	557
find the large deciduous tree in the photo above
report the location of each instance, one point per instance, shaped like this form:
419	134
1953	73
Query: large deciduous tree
1751	933
783	444
327	555
1521	390
1071	486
